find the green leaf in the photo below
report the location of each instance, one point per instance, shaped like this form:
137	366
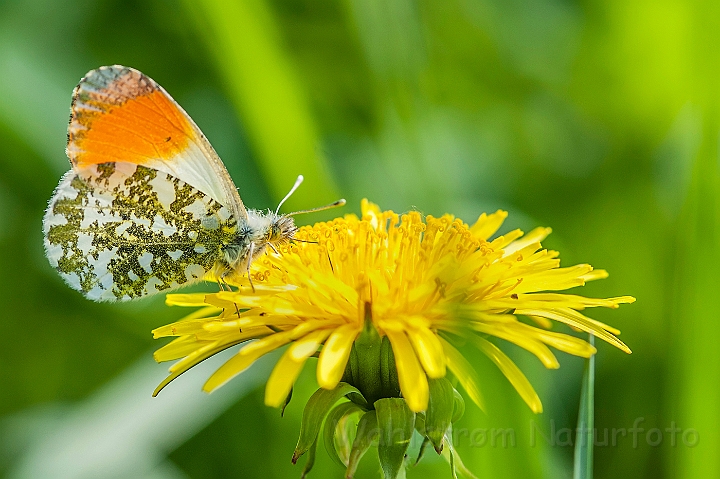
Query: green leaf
315	411
583	468
440	410
339	412
396	423
367	431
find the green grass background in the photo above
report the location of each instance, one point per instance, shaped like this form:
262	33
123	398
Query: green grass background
598	118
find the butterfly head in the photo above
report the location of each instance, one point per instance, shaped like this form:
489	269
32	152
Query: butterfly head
281	229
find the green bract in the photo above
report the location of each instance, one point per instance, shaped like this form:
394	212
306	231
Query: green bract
372	412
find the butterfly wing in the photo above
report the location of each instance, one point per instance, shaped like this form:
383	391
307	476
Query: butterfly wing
120	115
118	231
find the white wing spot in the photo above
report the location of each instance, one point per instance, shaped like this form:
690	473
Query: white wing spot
54	252
160	226
142	222
133	276
175	255
200	249
107	282
122	227
95	294
72	279
102	262
192	235
99	213
51	219
145	260
164	189
210	222
224	214
197	209
84	243
152	285
194	271
65	189
123	171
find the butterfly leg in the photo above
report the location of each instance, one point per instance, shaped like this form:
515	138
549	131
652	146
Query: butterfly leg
223	285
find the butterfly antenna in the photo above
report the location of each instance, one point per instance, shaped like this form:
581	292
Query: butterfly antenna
319	208
299	180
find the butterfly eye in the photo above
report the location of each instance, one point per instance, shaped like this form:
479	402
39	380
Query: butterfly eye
273	232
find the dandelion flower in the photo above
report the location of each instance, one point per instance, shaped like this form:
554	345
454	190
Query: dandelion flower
415	283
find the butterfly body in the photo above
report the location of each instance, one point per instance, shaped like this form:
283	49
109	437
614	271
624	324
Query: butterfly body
148	205
260	230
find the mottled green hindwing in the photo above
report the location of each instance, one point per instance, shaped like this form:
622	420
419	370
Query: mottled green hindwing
119	231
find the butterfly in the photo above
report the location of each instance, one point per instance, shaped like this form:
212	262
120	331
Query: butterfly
148	205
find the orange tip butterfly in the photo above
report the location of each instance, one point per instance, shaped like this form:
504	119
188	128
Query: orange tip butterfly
148	205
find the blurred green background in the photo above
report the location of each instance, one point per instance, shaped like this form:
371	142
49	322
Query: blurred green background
598	118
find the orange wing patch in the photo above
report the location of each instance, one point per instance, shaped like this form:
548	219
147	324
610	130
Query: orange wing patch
119	114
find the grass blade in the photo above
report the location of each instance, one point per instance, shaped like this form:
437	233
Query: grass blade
584	440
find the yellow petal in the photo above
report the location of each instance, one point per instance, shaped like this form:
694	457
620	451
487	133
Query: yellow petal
487	225
562	342
511	371
535	236
335	354
229	370
192	299
464	373
595	274
196	357
181	328
515	333
176	349
412	379
244	358
288	368
429	350
503	241
577	320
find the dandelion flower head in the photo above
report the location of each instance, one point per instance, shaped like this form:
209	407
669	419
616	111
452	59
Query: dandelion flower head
419	282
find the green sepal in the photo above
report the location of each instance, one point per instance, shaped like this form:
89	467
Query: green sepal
371	366
420	428
453	458
357	398
331	422
287	401
396	423
310	462
367	431
439	414
388	370
315	411
423	447
459	409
